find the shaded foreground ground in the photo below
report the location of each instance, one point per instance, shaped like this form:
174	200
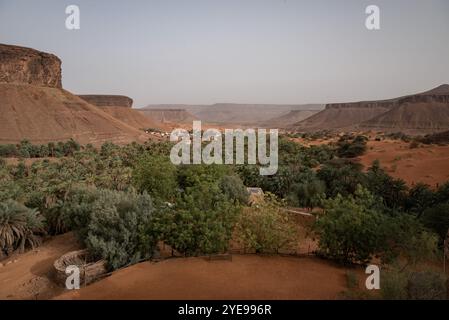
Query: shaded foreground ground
29	275
245	277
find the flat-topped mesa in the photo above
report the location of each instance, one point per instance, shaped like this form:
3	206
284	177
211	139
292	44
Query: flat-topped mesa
437	95
363	104
20	65
107	100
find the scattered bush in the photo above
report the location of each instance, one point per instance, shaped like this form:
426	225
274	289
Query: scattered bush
349	147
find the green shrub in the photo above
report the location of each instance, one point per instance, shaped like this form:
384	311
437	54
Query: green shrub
352	280
351	148
436	218
427	285
404	284
393	285
266	228
8	150
19	227
115	226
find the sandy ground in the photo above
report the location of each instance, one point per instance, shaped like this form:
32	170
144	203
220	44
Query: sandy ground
245	277
427	163
28	275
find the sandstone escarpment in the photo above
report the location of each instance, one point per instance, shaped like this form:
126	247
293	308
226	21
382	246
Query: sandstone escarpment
19	65
34	106
108	100
169	115
415	114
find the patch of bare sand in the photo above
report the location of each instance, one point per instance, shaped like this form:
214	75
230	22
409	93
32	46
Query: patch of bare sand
427	163
245	277
28	275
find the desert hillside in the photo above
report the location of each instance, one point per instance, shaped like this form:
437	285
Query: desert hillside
42	114
120	107
33	105
163	116
244	114
420	113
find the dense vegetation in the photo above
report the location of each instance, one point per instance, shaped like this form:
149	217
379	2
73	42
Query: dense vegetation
122	201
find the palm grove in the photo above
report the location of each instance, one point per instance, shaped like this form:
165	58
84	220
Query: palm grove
121	201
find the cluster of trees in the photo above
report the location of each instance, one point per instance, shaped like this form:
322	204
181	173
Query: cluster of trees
350	147
26	149
122	200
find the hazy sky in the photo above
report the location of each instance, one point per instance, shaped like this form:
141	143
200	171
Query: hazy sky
247	51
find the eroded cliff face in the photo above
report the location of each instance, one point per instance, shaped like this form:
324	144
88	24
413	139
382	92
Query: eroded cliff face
108	100
19	65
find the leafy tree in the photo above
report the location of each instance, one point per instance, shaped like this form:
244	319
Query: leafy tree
201	222
233	187
436	218
341	177
392	191
266	228
419	199
351	229
156	175
309	192
442	193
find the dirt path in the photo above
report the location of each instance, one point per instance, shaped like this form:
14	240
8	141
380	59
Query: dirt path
27	276
245	277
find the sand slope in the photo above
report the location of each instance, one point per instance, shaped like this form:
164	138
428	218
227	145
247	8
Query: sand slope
43	114
131	117
339	118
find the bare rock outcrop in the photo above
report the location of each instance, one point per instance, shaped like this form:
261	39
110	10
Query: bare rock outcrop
19	65
107	100
169	115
